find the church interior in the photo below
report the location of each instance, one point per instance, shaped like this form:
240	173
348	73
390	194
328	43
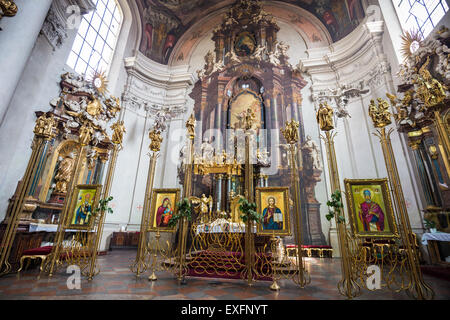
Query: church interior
225	149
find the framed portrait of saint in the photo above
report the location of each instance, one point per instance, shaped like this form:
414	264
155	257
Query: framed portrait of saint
370	208
273	204
85	199
163	208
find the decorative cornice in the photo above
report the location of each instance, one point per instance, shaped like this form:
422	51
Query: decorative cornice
55	24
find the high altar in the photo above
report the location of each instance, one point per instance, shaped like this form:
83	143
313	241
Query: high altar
249	71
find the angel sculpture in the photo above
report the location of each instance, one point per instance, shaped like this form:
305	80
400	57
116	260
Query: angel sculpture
203	207
259	52
232	56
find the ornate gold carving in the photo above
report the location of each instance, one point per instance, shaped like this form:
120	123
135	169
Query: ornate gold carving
190	125
430	91
85	135
434	154
411	40
290	132
324	117
156	139
8	8
64	173
119	130
380	113
44	126
203	208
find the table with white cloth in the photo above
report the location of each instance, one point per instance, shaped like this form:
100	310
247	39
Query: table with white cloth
430	240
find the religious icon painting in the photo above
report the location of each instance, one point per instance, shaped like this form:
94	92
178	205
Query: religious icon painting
370	208
84	201
245	44
273	204
163	208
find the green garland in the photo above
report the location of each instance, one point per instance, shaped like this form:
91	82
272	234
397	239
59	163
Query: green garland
249	211
184	210
335	207
103	205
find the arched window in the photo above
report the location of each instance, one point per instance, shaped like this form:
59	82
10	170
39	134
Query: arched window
94	44
420	15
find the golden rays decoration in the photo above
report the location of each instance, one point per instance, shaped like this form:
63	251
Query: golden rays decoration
410	38
99	81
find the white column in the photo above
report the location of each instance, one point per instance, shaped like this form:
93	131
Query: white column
17	39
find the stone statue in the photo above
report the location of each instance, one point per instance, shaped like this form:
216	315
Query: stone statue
325	117
233	58
314	152
64	173
258	54
207	151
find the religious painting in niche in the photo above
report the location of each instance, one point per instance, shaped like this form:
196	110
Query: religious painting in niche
84	201
163	208
370	208
240	105
245	44
273	205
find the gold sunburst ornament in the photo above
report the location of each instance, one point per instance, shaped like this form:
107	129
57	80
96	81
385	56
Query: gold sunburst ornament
411	41
99	82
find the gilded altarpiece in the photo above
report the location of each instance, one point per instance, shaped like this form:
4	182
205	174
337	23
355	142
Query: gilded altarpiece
249	70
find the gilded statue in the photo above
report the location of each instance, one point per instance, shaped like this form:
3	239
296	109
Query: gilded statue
203	208
64	173
290	132
94	108
85	135
190	125
113	105
324	117
8	8
380	114
44	125
156	139
119	130
430	91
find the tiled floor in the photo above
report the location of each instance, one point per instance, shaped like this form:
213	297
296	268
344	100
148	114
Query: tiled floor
117	282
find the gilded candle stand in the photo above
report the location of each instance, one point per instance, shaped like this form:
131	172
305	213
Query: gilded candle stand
381	117
290	133
44	131
347	286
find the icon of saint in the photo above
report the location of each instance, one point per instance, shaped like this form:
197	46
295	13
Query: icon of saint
272	215
84	210
164	213
371	214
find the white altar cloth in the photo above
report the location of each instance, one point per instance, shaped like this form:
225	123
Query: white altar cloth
437	236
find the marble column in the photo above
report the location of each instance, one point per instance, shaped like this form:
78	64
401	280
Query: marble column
219	193
17	39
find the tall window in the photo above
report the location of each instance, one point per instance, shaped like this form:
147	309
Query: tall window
420	15
96	39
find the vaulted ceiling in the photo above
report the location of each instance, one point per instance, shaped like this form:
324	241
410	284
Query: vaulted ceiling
165	21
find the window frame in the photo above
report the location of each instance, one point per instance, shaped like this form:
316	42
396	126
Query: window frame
102	64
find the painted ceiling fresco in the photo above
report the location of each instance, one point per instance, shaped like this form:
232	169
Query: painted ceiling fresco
165	21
